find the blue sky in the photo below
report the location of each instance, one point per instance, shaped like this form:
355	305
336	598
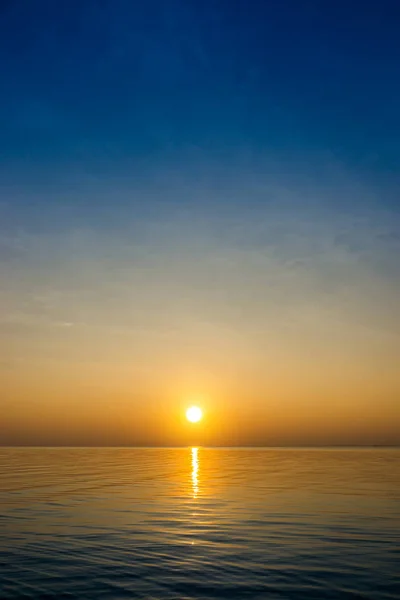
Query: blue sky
122	86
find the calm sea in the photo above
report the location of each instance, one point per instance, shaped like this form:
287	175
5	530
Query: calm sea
199	523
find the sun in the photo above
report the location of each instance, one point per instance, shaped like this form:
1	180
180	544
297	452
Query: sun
194	414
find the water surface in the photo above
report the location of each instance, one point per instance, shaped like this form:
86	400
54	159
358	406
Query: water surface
199	523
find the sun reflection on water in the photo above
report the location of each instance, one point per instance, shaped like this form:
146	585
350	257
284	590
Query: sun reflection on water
195	472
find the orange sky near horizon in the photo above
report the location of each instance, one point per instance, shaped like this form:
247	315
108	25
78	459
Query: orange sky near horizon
285	322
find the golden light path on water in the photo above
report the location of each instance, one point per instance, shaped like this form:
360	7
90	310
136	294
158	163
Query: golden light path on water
195	472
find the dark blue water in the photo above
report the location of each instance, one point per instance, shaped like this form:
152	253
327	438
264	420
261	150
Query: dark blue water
199	523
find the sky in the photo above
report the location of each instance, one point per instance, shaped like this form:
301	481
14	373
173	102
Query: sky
199	203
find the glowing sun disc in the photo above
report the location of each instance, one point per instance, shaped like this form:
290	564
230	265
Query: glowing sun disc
194	414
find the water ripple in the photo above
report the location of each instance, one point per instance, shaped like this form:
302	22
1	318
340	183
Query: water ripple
199	523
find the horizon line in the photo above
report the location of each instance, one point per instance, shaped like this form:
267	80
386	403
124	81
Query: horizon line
155	447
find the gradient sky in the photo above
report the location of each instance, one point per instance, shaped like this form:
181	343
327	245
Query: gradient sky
199	200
